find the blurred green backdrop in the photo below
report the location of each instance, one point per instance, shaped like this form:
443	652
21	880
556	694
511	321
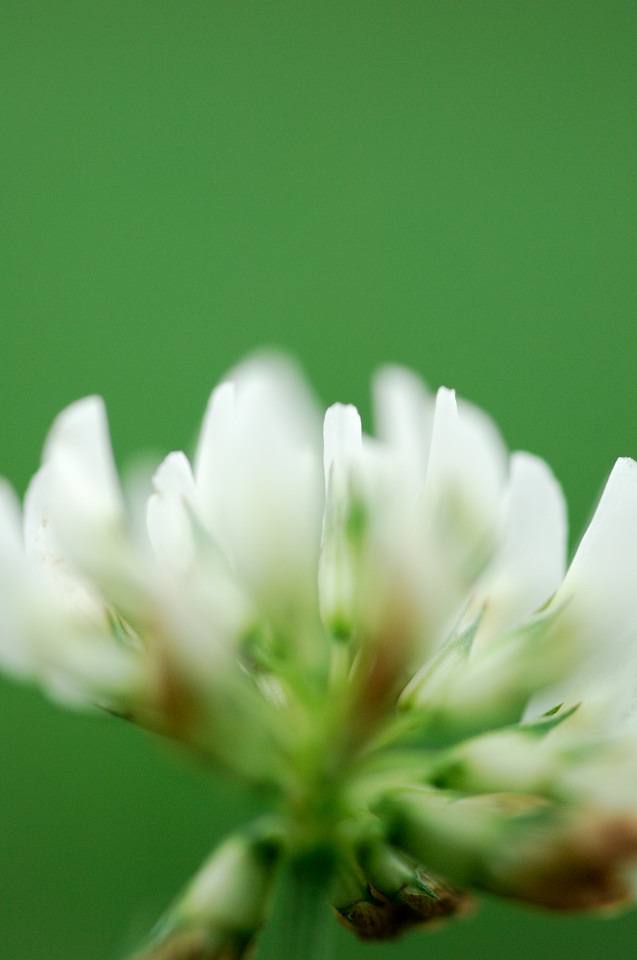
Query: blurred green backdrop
445	184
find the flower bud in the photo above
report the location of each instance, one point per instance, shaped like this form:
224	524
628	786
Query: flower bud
521	846
399	895
224	904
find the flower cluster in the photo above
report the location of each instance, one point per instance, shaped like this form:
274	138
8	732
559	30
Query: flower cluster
380	633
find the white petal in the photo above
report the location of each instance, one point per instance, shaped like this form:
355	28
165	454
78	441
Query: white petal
483	455
460	506
202	611
601	583
530	558
169	524
15	587
71	589
342	441
11	544
338	576
216	448
79	440
86	504
403	415
53	626
600	597
258	479
174	477
86	509
83	668
467	463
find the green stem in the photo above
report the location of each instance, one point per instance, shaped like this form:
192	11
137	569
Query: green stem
300	924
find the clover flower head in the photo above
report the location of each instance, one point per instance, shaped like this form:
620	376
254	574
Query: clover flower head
379	633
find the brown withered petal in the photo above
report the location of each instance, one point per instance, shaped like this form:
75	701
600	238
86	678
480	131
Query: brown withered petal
377	918
450	901
580	866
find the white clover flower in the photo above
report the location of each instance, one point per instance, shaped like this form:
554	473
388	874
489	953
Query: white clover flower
378	631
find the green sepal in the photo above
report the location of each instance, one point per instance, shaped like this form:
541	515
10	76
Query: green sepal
468	695
548	721
453	653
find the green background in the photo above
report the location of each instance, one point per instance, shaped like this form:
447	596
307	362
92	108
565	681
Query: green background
449	185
